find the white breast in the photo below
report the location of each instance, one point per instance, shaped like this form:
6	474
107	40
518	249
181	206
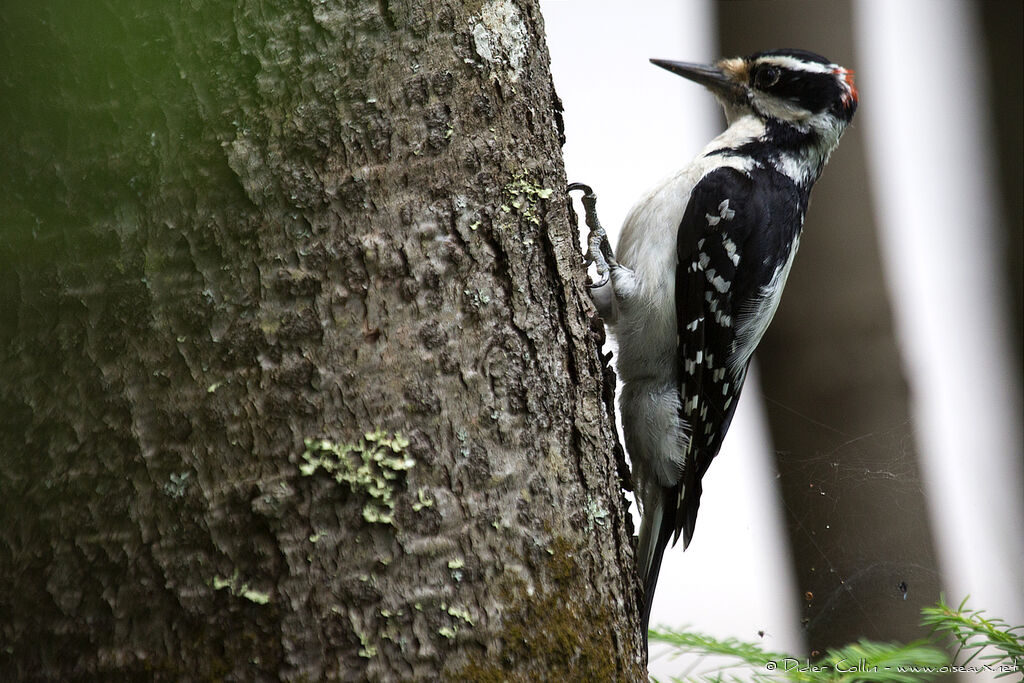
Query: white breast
646	324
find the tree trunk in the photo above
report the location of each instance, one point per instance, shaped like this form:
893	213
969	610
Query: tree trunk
299	377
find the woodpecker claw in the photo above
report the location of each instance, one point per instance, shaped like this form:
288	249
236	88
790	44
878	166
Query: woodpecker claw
599	249
598	242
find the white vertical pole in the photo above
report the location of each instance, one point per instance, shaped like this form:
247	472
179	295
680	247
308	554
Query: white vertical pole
928	139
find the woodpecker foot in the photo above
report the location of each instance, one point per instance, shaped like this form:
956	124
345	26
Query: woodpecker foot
599	248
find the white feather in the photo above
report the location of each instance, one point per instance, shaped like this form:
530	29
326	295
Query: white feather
755	316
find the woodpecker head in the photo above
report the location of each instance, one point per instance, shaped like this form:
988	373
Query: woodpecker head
794	87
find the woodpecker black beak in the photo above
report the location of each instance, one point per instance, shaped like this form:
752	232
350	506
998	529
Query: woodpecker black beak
709	75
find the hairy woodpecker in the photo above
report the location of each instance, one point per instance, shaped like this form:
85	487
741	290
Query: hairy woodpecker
699	270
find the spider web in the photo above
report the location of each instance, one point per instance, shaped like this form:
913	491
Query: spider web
859	532
856	541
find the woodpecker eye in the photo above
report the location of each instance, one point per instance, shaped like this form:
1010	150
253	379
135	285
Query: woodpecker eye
766	77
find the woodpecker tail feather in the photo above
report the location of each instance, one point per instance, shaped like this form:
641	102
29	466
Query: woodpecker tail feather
656	531
670	517
686	520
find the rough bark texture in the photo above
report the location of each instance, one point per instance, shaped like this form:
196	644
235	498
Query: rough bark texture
298	375
838	403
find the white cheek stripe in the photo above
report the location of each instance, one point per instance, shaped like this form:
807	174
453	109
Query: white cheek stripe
798	64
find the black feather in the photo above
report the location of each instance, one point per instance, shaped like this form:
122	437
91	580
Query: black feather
651	581
725	219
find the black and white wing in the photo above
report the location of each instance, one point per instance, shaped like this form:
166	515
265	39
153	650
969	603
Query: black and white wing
721	305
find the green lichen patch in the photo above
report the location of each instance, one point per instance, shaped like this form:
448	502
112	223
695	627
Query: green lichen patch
366	651
423	500
372	467
175	488
524	197
460	613
597	514
240	589
259	597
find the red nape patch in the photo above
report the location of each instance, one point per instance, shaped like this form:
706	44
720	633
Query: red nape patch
847	75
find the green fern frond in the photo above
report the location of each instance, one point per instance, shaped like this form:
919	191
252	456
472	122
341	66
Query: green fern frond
700	643
987	642
870	661
975	634
862	662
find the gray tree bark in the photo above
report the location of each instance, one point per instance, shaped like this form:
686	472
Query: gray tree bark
299	380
